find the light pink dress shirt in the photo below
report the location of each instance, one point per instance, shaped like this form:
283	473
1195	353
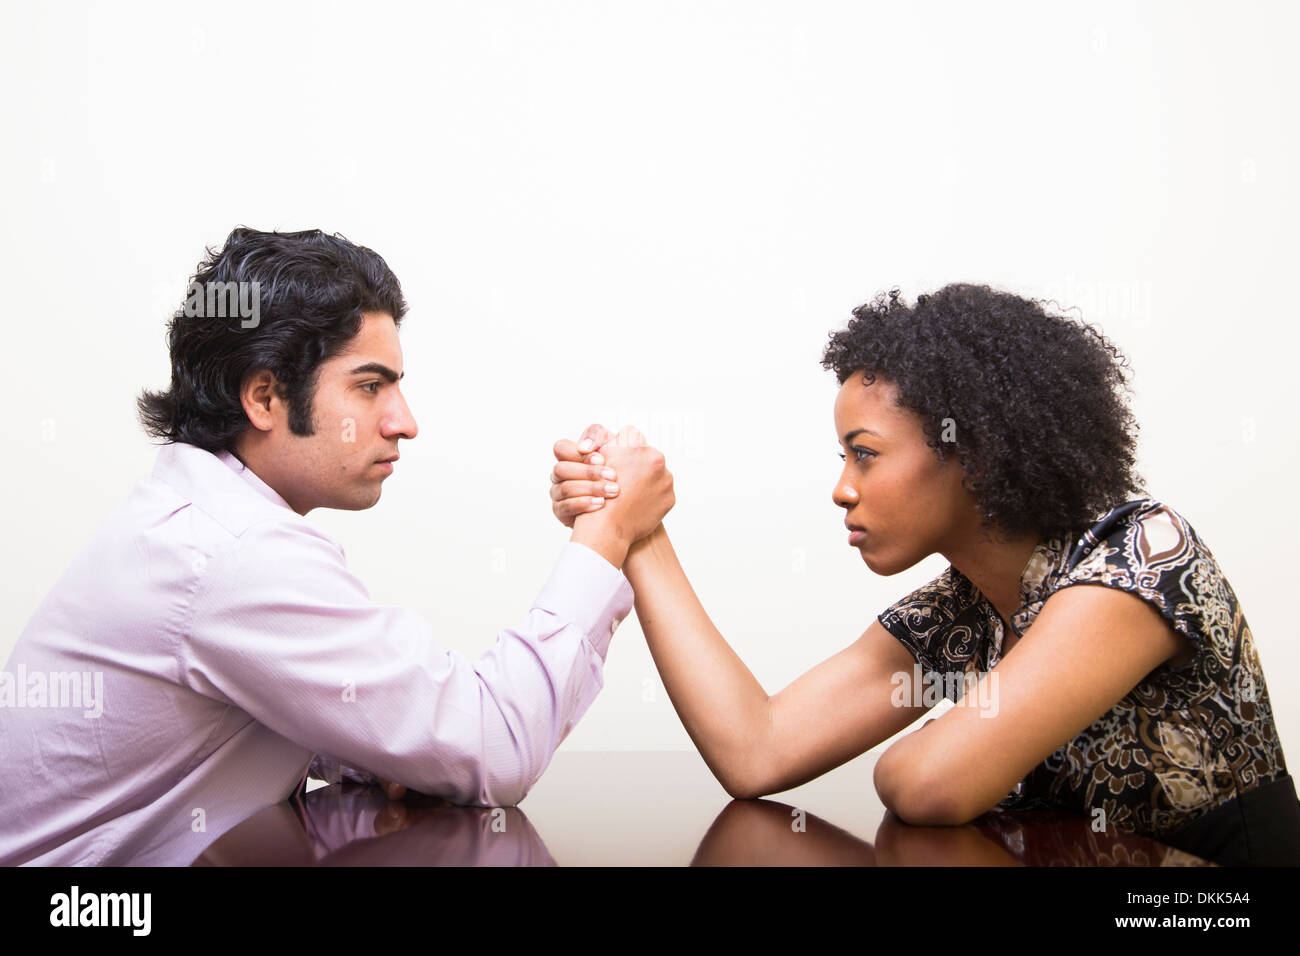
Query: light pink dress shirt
229	643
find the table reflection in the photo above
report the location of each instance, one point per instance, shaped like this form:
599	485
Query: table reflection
770	833
350	825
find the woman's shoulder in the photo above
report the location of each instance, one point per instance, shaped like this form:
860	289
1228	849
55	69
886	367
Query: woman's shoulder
941	622
1150	549
1145	534
950	593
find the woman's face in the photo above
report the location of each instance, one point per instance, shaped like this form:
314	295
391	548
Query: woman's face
893	486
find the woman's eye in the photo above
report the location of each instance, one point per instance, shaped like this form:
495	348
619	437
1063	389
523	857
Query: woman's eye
859	455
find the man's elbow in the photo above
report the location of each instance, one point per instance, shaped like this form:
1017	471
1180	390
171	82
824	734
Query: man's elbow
489	795
504	798
465	778
506	788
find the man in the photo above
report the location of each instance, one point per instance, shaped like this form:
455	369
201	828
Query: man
221	636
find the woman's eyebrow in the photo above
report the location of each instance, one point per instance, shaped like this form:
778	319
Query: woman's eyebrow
375	368
860	431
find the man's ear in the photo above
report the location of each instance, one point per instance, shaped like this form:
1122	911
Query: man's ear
255	395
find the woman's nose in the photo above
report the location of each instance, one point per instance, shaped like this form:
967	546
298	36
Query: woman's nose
844	494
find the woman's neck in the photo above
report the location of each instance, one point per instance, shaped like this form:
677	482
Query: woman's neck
995	565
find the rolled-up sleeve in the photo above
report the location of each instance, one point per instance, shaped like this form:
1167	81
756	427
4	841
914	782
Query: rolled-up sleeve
282	630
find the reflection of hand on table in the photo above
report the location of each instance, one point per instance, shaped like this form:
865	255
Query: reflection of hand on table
768	833
359	826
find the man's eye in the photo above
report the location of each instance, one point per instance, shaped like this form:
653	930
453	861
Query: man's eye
374	385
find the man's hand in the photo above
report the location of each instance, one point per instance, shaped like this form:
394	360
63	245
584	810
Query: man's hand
580	480
644	493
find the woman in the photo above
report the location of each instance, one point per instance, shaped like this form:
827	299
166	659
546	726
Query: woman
978	426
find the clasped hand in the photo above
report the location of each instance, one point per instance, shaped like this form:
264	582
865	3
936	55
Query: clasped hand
617	483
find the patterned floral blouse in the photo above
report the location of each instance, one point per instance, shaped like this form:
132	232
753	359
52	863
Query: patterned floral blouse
1174	758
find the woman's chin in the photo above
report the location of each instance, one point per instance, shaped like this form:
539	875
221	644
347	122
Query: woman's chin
883	568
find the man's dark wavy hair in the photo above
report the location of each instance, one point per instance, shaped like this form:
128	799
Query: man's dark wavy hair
313	290
1043	432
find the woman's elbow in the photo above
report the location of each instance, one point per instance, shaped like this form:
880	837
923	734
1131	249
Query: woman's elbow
920	799
744	779
739	789
930	808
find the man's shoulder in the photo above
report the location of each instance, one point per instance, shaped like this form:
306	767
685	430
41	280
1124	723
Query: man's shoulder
193	514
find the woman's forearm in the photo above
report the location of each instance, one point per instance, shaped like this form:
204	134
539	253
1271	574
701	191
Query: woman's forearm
722	706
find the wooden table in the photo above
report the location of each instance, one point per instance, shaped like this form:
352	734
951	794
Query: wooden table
662	809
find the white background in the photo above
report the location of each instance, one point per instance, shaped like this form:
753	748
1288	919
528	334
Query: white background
654	214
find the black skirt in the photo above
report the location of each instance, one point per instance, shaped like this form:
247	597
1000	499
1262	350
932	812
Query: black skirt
1259	828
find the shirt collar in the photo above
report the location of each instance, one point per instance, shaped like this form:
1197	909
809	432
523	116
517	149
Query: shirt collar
250	476
1041	570
1046	558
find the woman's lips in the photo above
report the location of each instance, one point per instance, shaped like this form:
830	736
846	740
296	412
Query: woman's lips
856	538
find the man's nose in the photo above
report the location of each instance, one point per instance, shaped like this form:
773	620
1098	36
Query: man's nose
401	422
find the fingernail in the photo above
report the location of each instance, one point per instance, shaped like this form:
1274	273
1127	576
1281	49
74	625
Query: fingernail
586	445
609	474
611	489
597	503
597	459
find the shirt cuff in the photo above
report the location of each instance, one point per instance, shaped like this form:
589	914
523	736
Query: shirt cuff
587	590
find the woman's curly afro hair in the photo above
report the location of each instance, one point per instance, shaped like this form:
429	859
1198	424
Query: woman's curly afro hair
1032	403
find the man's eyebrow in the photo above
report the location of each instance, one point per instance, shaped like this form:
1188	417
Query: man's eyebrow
860	431
375	368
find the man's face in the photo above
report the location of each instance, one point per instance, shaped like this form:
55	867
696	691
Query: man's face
358	415
893	486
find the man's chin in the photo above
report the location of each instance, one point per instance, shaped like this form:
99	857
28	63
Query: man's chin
359	502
